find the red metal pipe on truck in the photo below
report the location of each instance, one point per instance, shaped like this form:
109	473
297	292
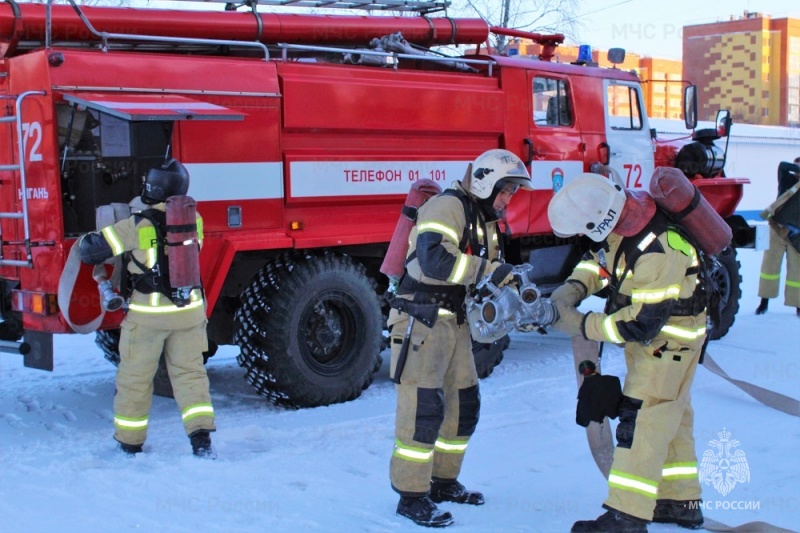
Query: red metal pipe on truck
30	24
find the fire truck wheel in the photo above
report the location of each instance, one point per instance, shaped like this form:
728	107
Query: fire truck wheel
309	330
108	342
488	355
727	282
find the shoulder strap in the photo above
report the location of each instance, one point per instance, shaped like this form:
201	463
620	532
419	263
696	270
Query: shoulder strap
475	220
157	275
630	247
465	204
157	218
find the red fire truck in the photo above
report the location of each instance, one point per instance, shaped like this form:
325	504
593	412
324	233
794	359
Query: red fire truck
302	134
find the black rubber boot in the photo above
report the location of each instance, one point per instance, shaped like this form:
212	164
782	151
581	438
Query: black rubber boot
130	449
444	490
798	311
611	522
201	443
422	511
685	513
763	306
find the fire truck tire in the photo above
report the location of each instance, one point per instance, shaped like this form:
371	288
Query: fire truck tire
488	355
727	281
309	330
108	342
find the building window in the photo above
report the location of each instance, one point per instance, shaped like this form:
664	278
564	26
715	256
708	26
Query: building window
794	114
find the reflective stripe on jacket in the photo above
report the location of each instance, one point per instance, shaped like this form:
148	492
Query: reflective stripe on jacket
654	284
434	254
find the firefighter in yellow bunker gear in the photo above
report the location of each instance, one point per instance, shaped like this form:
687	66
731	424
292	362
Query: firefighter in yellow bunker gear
453	245
154	323
784	239
657	310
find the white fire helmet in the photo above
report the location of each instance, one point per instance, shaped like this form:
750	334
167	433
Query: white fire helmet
493	166
589	204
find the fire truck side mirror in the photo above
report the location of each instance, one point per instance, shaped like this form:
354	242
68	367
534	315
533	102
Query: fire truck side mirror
690	107
724	122
616	56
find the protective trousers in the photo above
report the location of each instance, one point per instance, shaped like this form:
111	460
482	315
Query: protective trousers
769	280
140	345
438	404
655	456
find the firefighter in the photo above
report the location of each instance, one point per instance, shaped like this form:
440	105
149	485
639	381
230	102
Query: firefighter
453	245
784	238
154	323
649	269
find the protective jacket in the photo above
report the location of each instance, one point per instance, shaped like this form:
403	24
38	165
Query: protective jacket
655	312
438	400
784	238
451	246
654	300
152	325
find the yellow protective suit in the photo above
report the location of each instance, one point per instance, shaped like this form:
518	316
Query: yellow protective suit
154	324
663	331
438	399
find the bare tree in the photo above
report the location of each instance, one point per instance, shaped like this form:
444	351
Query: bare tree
541	16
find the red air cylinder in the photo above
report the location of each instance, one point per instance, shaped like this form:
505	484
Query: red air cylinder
674	193
394	263
183	250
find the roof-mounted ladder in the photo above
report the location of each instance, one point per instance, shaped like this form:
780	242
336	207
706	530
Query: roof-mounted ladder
23	184
422	7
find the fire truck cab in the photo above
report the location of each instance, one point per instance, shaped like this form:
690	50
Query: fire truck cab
302	135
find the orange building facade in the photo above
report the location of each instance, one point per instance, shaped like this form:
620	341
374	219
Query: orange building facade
662	82
750	65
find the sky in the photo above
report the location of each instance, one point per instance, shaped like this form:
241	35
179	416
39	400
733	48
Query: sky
326	469
654	28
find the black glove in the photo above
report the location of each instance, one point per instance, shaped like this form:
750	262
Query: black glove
94	249
598	397
502	275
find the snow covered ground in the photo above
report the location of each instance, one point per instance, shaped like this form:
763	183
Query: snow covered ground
326	469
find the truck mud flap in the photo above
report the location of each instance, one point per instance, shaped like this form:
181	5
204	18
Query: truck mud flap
40	355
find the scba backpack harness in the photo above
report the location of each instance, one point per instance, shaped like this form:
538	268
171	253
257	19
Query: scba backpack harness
172	274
